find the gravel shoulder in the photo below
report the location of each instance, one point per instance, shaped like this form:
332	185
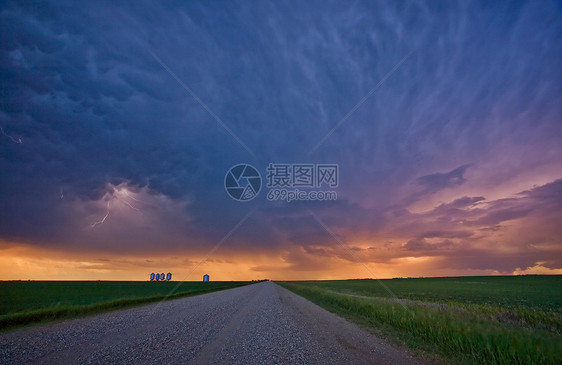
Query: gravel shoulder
255	324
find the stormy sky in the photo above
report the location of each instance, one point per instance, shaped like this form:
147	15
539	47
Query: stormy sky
120	121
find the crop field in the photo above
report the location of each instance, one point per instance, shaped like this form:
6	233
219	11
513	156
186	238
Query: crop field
492	319
25	302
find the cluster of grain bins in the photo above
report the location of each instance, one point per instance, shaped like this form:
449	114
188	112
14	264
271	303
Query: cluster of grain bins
160	277
168	277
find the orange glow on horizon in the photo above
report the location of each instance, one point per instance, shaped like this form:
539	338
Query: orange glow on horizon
27	263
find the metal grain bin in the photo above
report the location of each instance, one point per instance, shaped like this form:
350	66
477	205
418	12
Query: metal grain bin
151	276
169	276
206	278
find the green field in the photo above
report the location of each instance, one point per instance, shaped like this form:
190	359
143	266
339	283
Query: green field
492	319
25	302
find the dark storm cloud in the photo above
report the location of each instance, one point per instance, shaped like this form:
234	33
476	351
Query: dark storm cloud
479	96
438	181
498	216
417	244
460	203
535	210
454	237
446	234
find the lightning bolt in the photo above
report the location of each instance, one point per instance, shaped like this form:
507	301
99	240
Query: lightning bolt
129	196
123	195
128	203
101	221
10	137
132	197
61	194
120	194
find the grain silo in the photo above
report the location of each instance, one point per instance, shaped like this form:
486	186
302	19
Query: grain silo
206	278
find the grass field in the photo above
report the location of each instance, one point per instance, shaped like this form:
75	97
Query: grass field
25	302
495	319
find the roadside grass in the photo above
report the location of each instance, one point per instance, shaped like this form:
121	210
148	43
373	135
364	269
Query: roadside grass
520	316
462	332
86	298
532	301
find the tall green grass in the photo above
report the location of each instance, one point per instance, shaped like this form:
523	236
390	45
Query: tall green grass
19	296
460	335
530	291
24	303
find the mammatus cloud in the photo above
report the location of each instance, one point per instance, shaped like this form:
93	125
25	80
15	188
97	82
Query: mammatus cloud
101	150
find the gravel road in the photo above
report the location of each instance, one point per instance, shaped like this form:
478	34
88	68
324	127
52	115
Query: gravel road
255	324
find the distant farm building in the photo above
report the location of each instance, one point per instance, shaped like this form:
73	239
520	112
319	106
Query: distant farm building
169	276
206	278
151	276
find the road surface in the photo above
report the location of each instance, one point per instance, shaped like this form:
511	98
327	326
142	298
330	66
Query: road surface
255	324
